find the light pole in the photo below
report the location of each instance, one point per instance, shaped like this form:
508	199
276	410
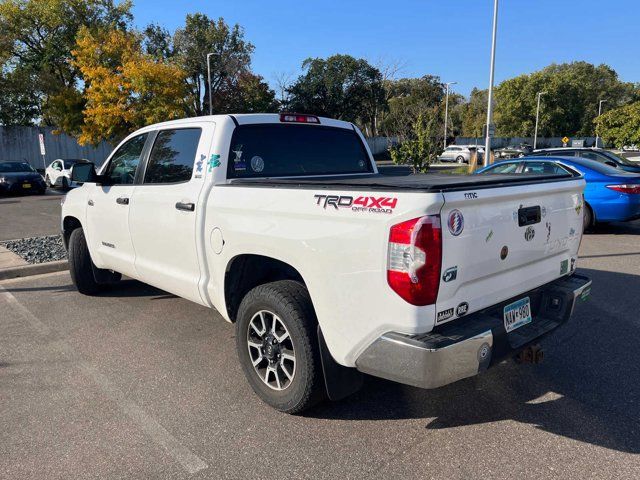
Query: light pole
446	111
535	134
209	55
599	112
487	139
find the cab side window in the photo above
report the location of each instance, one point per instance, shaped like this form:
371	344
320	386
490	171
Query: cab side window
172	156
124	162
507	167
543	168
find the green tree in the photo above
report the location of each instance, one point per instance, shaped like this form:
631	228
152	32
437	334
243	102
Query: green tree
340	87
17	104
620	126
36	39
407	99
474	113
231	59
569	105
423	145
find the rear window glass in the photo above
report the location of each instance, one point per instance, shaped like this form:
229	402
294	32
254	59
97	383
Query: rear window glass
274	150
172	156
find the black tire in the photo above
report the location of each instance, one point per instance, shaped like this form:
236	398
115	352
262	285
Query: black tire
65	183
460	159
47	181
588	218
290	301
81	266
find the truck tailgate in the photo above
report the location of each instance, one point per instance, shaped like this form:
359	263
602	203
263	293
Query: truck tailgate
500	242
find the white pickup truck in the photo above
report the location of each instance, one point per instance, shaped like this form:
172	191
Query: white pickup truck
329	269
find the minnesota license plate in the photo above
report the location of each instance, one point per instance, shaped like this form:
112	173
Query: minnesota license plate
26	185
517	314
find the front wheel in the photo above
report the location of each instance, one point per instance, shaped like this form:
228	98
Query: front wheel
65	183
47	182
87	278
460	159
277	345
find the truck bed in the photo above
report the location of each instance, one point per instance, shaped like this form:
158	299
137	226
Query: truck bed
424	182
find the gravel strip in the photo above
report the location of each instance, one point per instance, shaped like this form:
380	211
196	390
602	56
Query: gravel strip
38	249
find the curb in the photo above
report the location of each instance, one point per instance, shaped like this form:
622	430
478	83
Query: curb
34	269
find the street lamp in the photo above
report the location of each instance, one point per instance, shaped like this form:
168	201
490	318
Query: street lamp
487	139
209	55
535	134
599	112
446	111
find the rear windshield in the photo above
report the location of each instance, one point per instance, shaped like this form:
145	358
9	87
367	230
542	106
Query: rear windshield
275	150
15	167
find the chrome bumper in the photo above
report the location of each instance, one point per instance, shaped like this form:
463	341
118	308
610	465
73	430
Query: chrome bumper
473	343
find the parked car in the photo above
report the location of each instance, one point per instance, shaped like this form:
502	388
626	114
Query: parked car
630	148
596	154
58	173
20	177
455	153
611	194
327	268
513	151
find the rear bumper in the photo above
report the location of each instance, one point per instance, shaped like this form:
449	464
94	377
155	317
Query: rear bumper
473	343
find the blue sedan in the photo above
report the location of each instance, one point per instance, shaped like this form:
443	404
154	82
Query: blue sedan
611	195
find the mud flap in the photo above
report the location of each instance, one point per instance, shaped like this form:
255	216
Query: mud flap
340	381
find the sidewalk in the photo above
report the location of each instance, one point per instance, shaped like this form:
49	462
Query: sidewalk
8	259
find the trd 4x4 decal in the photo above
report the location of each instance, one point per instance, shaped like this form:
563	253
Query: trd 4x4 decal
359	204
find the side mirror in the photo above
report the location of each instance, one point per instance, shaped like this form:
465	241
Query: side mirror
84	173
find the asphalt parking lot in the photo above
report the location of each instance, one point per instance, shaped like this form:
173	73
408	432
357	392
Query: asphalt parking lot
139	383
30	215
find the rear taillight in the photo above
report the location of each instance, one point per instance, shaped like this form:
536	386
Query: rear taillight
297	118
631	189
415	258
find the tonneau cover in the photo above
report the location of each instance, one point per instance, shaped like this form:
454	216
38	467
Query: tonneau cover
426	182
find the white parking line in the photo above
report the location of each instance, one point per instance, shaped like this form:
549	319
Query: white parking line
187	459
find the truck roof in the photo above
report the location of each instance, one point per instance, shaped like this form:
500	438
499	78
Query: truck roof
244	119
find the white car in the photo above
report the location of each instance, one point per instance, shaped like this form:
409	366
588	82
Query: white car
329	269
58	173
455	153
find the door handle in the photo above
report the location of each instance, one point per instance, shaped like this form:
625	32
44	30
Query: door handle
122	201
187	207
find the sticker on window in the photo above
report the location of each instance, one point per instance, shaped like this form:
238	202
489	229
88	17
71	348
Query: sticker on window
238	163
257	164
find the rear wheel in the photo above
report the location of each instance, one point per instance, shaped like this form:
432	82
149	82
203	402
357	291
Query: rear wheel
588	218
65	183
277	345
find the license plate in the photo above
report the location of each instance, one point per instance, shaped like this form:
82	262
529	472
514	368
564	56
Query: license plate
26	185
517	314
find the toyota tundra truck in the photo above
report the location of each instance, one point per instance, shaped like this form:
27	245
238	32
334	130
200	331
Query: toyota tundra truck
329	269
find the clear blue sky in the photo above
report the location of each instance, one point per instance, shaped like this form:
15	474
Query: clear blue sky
449	38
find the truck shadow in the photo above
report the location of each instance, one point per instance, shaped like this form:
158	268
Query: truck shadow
587	389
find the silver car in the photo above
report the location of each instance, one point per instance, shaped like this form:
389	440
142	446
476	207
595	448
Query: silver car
455	153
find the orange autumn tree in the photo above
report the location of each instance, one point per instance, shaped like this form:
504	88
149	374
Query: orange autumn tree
125	89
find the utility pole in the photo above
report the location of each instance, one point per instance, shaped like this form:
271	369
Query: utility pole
599	113
446	111
487	139
535	134
209	55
